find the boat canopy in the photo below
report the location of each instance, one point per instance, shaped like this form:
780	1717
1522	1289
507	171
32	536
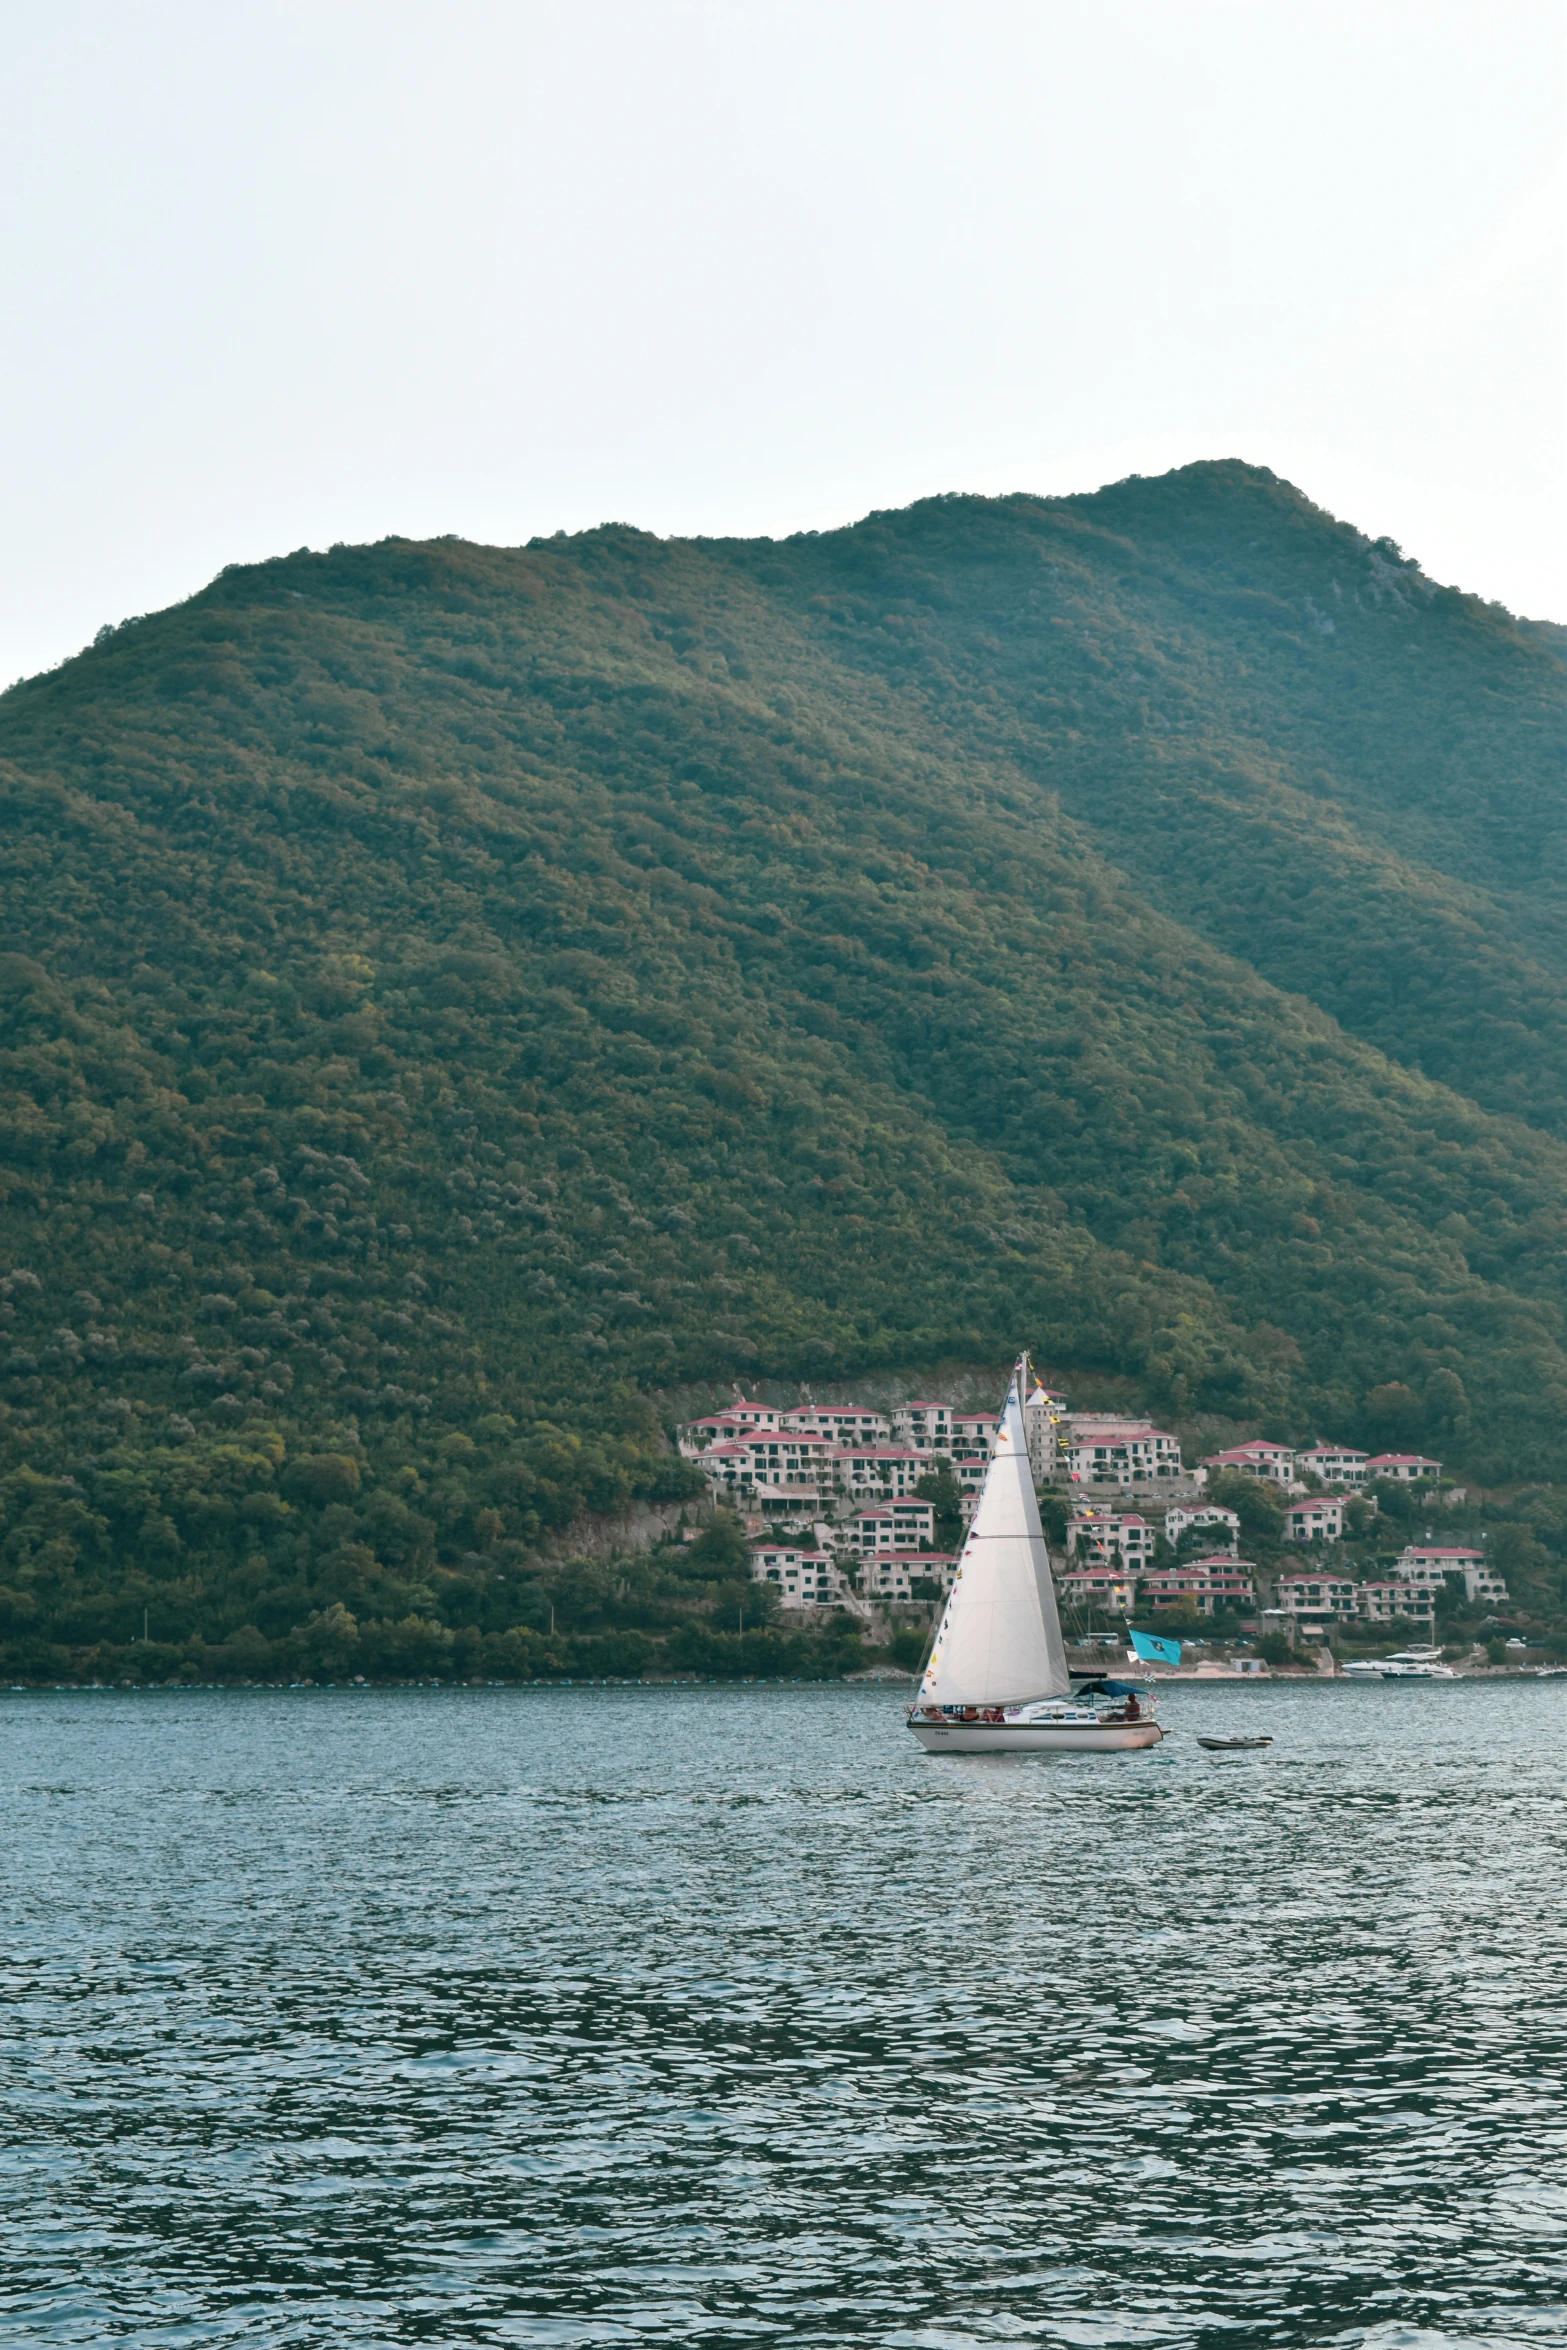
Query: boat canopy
1000	1637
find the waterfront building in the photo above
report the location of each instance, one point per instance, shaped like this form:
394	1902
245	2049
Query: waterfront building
1313	1592
1380	1603
1207	1583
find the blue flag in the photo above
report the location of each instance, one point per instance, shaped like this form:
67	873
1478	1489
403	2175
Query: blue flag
1155	1651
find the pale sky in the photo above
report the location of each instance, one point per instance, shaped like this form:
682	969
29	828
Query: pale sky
281	274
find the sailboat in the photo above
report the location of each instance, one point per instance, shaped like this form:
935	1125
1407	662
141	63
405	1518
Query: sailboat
997	1681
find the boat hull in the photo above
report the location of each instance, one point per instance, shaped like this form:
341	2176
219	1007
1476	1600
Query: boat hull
1034	1737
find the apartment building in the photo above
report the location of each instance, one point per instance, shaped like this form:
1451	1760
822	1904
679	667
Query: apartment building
844	1423
769	1465
1430	1564
1098	1584
1258	1459
1318	1518
1044	1421
925	1425
889	1526
892	1574
1381	1603
1314	1593
1207	1583
803	1578
1335	1464
1411	1467
868	1471
1115	1450
1110	1538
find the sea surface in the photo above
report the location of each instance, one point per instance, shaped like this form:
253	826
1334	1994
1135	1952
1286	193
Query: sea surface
725	2016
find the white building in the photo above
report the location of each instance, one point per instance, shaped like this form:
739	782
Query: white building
1112	1449
1309	1592
1335	1464
1095	1584
927	1426
1205	1584
1318	1518
1379	1603
1430	1564
1411	1467
889	1470
892	1574
1105	1538
890	1525
1225	1524
1044	1420
845	1423
770	1466
1254	1460
975	1429
803	1578
712	1428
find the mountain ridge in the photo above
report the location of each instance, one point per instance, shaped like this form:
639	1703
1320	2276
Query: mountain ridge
636	962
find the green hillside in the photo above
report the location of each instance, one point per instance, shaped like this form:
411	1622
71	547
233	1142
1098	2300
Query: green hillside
457	995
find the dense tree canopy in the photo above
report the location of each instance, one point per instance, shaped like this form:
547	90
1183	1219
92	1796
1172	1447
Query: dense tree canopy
455	996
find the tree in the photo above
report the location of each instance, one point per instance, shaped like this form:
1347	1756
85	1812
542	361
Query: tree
940	1486
1259	1505
1394	1414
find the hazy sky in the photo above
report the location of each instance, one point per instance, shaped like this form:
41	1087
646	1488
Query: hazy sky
277	275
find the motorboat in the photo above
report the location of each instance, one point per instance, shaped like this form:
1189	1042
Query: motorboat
997	1681
1416	1664
1232	1745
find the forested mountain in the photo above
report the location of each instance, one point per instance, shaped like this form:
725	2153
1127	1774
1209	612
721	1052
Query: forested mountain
456	995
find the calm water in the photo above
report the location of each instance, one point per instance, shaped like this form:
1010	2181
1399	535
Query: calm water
713	2017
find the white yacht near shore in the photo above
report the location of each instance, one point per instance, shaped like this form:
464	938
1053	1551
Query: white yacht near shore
1417	1664
1410	1664
998	1681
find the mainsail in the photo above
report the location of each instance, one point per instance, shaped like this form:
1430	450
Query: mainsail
1000	1637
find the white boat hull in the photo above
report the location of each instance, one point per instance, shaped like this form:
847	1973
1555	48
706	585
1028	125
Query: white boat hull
1034	1737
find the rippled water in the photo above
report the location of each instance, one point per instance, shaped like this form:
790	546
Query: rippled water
725	2016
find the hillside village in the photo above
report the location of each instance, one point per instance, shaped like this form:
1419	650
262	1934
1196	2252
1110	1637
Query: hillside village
845	1506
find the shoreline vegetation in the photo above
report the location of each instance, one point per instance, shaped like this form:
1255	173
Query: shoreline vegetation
458	999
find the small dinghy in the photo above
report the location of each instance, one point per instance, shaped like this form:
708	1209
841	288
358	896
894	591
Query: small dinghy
997	1681
1232	1745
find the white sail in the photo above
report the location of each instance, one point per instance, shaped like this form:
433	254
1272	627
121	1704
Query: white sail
1000	1638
